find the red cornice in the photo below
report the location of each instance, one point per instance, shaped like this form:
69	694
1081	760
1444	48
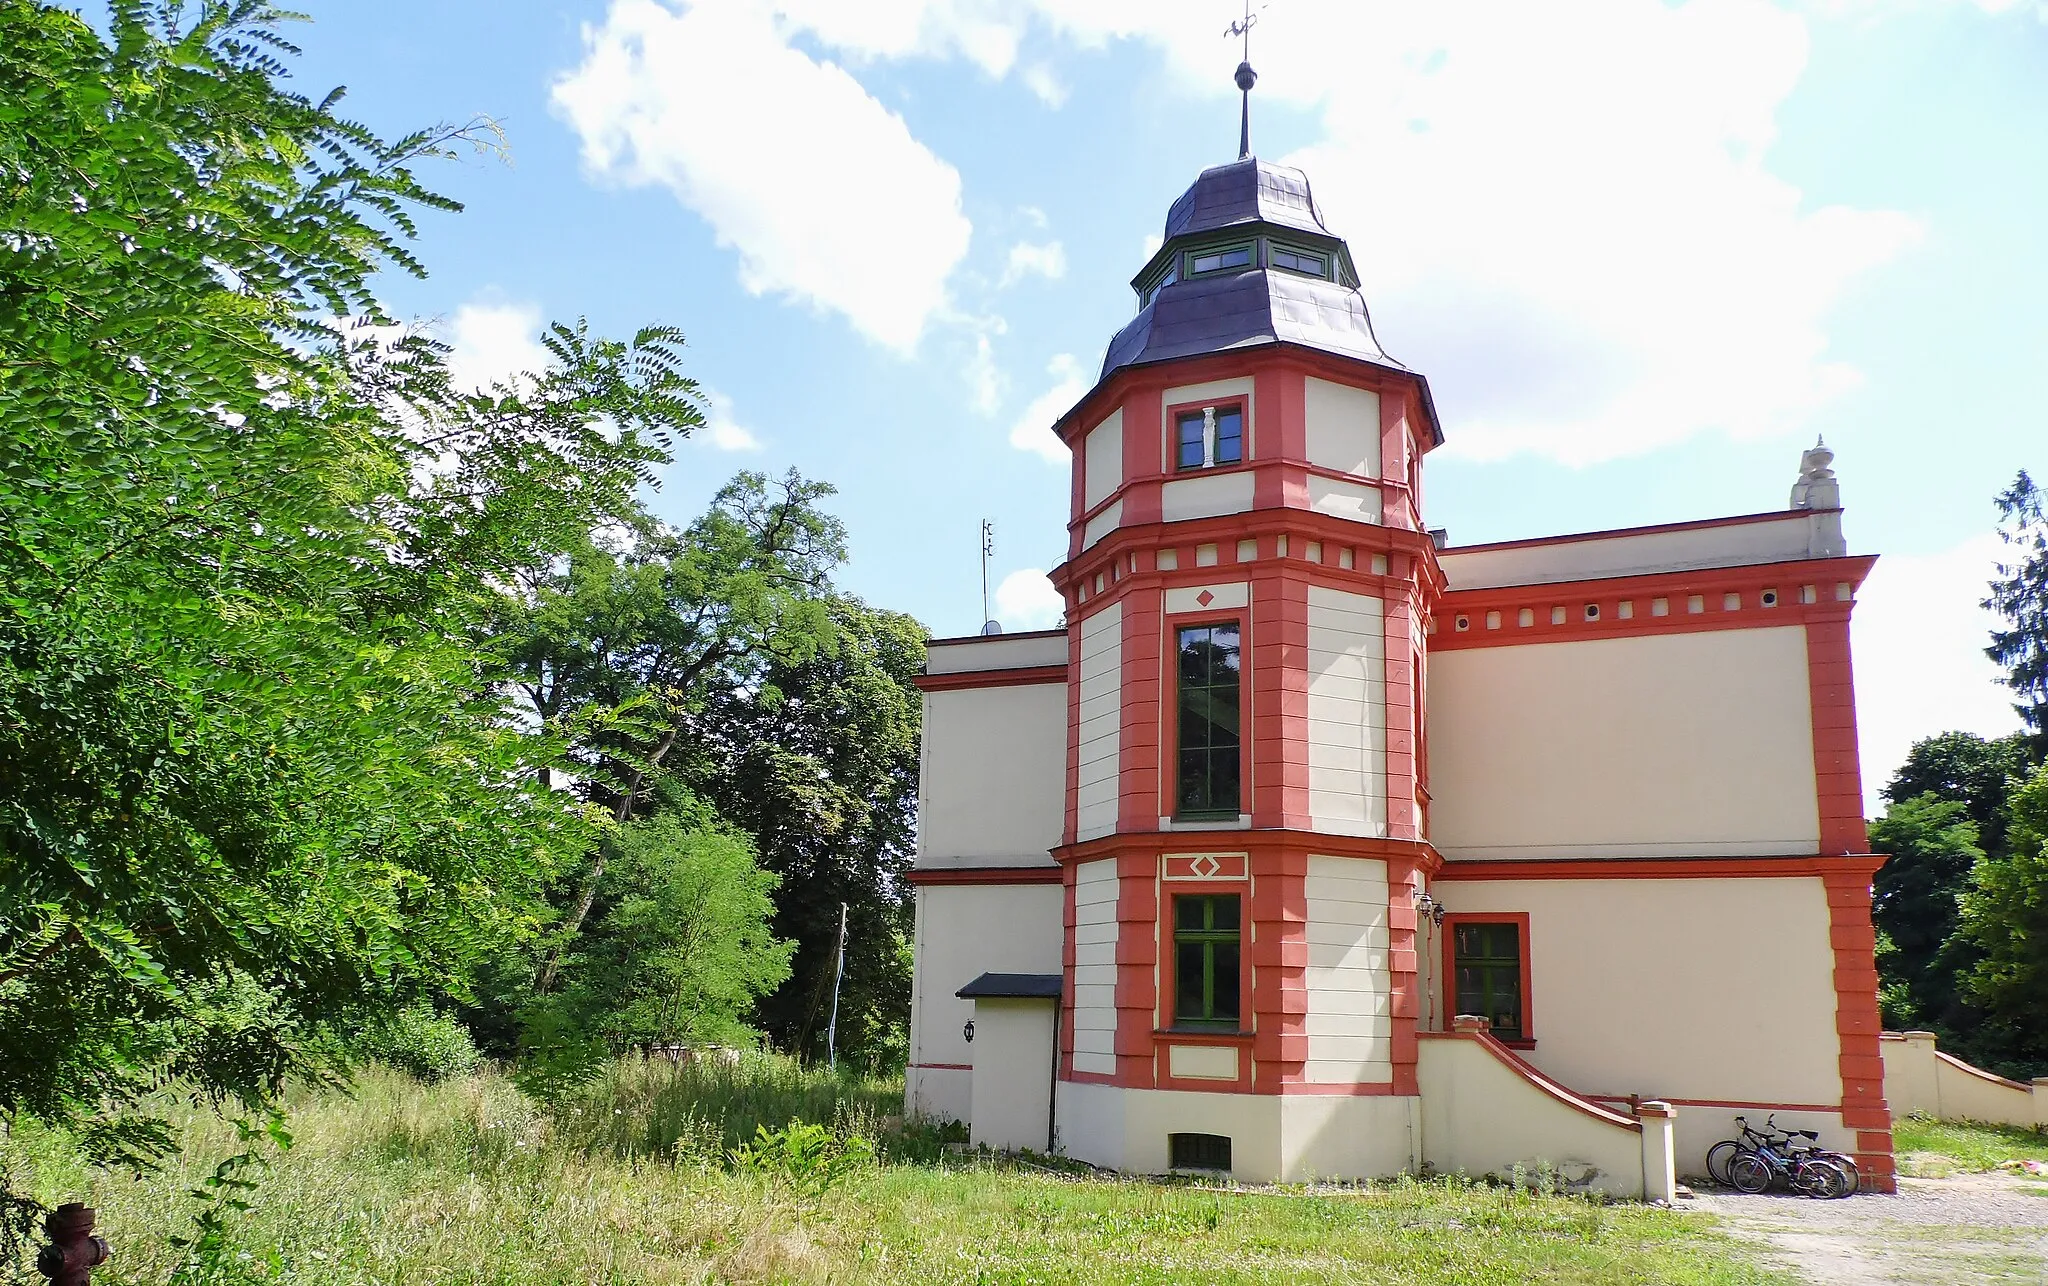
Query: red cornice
947	875
1263	525
1749	580
1150	844
1014	677
1652	868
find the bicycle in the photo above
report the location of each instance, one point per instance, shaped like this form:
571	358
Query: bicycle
1773	1153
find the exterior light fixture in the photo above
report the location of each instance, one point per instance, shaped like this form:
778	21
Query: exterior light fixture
968	1031
1431	909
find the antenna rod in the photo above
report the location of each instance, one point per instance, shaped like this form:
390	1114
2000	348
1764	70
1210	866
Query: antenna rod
988	547
1246	78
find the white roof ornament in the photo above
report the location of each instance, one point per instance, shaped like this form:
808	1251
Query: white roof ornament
1816	488
1820	492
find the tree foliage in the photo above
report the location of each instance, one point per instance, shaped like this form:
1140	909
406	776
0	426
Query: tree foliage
1915	904
824	775
248	740
2020	595
2005	914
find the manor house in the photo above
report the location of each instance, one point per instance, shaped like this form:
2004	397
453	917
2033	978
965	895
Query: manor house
1313	845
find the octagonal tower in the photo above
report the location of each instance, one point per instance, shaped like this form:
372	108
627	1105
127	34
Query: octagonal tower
1248	580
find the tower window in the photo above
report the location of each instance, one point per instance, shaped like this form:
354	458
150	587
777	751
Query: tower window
1489	973
1220	260
1211	436
1208	711
1205	961
1297	261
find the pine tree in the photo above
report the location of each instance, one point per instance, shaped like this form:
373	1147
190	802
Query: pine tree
2020	595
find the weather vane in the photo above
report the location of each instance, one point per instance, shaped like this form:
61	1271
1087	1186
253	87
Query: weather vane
1246	78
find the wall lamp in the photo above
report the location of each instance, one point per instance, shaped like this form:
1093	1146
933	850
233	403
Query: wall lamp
1431	909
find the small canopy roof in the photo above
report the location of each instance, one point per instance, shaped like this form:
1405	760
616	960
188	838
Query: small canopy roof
1012	986
1246	191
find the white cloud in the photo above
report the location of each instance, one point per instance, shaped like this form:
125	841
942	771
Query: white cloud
1919	635
1032	430
985	33
1026	600
1045	83
985	380
1046	259
1035	217
1591	257
493	343
823	191
724	432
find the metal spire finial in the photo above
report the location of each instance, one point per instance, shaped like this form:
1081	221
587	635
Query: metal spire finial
1246	78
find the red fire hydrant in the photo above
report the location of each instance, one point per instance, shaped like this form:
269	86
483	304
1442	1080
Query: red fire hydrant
73	1251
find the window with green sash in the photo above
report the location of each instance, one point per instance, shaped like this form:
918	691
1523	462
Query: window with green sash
1487	961
1205	961
1209	714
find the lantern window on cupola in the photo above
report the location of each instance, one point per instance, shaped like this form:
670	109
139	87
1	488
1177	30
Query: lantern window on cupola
1290	259
1219	259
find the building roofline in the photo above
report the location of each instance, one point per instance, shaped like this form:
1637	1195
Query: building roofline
958	640
1611	533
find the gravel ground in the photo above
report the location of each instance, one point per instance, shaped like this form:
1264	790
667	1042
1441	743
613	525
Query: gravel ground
1978	1228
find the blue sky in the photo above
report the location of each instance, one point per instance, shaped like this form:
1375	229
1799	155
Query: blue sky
1644	251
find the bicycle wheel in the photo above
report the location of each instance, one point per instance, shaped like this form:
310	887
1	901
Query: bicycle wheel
1823	1179
1749	1173
1847	1164
1718	1158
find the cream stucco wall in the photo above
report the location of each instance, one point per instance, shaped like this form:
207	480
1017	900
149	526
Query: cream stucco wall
1274	1138
1918	1077
962	932
1102	460
1347	713
1343	427
1013	1074
1206	495
1480	1116
1719	990
992	775
1697	744
1102	660
1094	1006
996	652
1793	535
1355	501
1349	1019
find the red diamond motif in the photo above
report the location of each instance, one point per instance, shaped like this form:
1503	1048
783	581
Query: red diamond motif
1205	598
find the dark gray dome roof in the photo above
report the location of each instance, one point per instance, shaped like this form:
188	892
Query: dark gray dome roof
1247	191
1257	306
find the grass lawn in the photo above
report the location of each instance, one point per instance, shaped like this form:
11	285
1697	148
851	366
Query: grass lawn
1932	1149
468	1182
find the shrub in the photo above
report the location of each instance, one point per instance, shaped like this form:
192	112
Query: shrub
423	1043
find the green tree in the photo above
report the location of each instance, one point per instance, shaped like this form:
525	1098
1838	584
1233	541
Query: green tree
1976	772
2020	595
819	763
679	950
1915	904
620	648
2005	914
255	770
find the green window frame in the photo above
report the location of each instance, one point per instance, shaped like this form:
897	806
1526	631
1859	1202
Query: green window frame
1486	964
1308	263
1209	713
1212	259
1207	960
